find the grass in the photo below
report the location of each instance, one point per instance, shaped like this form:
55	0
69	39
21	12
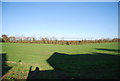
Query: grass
75	60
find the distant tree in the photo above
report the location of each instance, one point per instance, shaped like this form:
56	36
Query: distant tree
18	39
12	39
28	38
0	39
116	40
5	38
33	38
67	42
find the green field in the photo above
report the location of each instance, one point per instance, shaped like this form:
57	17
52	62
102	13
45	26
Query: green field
97	61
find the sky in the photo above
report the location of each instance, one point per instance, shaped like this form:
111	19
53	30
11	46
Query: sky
59	0
71	20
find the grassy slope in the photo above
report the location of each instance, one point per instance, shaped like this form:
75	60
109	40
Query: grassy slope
37	54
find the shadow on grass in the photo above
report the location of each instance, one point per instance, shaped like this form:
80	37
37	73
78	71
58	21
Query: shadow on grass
112	50
5	67
79	66
44	74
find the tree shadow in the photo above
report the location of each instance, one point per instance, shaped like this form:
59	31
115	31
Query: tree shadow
5	67
112	50
80	66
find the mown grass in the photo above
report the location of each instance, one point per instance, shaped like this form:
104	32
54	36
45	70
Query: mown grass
21	56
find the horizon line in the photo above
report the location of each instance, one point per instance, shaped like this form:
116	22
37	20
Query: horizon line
61	38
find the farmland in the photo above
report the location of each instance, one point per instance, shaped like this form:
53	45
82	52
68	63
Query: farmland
97	61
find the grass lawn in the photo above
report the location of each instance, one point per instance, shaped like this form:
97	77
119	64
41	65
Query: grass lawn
98	61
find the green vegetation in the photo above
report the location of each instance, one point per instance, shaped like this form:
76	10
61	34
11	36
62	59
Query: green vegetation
75	60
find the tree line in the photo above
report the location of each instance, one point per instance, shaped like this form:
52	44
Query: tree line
45	40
